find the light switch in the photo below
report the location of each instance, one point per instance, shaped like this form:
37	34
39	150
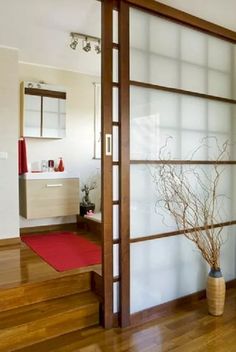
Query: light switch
3	155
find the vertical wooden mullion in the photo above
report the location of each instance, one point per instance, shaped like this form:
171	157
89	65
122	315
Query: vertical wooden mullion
107	196
41	118
124	112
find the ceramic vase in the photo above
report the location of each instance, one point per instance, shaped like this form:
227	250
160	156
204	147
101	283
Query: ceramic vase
215	292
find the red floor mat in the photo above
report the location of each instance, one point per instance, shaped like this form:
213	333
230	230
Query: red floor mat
64	250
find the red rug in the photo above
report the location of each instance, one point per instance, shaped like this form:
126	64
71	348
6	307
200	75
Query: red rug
64	250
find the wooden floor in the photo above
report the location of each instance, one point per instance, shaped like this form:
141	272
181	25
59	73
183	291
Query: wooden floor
189	329
20	265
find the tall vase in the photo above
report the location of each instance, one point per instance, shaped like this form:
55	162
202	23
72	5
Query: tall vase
215	292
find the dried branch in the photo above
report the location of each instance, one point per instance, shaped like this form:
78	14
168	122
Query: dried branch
190	195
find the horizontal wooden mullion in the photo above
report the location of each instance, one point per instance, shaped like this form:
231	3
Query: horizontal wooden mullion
180	232
184	162
181	91
115	84
116	279
116	46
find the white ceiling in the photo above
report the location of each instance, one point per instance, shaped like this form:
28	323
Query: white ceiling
221	12
41	28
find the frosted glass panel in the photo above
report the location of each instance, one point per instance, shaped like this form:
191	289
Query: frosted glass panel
115	260
115	103
115	26
220	117
157	115
115	183
163	71
194	113
166	36
177	259
115	66
172	55
148	215
193	78
219	84
116	303
139	30
139	65
145	219
115	222
193	46
115	139
219	54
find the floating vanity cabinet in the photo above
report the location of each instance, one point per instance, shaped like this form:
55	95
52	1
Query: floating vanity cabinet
46	198
43	110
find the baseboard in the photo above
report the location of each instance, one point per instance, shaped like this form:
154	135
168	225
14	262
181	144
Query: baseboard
58	227
170	307
10	241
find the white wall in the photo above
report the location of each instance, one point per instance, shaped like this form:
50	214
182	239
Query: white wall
9	219
77	149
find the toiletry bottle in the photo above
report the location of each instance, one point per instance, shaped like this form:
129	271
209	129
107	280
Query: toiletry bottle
50	165
61	165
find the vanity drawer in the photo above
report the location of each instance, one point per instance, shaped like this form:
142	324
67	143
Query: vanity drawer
49	198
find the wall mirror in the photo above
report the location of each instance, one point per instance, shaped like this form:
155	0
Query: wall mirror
43	110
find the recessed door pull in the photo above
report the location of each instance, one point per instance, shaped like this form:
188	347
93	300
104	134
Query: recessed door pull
108	144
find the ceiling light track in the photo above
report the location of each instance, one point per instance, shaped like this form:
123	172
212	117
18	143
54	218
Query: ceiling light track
86	42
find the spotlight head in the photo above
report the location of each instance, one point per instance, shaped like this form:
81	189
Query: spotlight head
98	47
86	46
74	41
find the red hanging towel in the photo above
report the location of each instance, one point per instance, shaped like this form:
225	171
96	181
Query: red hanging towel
22	157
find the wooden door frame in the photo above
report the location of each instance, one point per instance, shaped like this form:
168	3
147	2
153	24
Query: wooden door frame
123	7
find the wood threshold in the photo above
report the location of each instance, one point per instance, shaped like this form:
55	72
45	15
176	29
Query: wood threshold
181	91
184	18
179	232
56	227
170	307
184	162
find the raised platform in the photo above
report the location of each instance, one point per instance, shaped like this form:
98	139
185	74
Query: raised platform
91	223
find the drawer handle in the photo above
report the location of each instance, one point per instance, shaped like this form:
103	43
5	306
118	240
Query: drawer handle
54	185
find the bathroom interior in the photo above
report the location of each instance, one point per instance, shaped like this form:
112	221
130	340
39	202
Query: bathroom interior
60	124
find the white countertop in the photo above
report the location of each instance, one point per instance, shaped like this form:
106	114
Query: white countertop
46	175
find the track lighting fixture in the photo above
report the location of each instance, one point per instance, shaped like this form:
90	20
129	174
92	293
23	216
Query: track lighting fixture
74	41
98	47
87	41
86	45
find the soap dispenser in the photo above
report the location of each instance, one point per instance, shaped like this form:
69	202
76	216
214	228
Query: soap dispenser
61	165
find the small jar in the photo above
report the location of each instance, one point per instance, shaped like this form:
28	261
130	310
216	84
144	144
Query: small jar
50	165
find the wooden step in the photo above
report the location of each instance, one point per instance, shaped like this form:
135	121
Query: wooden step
44	290
33	323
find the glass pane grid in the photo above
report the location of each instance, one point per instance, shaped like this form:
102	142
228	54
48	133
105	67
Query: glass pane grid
179	57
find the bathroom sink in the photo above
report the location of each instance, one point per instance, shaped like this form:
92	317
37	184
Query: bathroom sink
46	175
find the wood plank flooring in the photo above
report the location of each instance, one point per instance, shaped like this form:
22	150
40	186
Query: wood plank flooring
20	265
189	329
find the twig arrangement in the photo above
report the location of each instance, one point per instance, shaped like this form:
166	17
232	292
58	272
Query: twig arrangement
190	195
